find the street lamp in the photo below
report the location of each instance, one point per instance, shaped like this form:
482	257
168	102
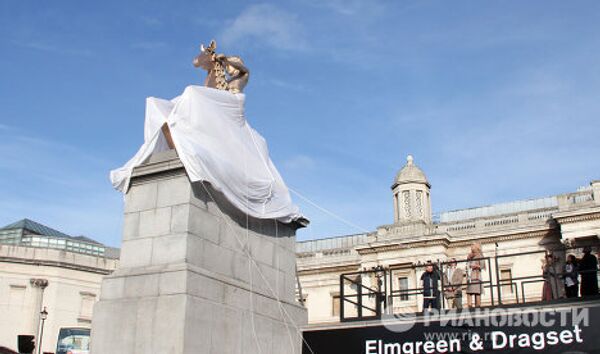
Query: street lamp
380	297
43	317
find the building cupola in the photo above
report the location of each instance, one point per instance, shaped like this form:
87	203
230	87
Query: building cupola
411	190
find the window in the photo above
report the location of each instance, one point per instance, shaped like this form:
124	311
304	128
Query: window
10	236
86	305
403	285
335	305
506	278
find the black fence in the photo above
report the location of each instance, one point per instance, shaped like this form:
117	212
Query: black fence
369	294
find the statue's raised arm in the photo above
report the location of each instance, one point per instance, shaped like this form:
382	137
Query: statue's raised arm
223	72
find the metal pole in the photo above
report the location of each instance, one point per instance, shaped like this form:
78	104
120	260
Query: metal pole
390	303
43	316
40	284
41	337
417	290
489	265
378	295
41	322
359	293
441	273
497	277
342	298
385	290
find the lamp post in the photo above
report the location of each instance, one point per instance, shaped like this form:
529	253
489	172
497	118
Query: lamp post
43	317
380	298
41	284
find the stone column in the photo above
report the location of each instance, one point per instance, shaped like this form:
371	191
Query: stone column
38	285
196	275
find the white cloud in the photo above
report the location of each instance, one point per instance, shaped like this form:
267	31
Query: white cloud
269	25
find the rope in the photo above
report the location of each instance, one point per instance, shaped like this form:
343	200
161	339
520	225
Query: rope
277	286
250	277
251	259
330	213
266	165
282	310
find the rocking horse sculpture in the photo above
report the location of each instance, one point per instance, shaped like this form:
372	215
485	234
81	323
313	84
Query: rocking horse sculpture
223	72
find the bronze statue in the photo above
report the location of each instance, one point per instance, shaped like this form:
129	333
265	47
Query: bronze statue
223	72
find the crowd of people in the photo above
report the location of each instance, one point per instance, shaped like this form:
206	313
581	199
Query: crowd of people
576	277
453	277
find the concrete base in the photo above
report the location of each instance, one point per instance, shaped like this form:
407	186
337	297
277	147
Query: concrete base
186	283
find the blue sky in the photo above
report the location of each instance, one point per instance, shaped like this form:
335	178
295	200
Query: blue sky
497	101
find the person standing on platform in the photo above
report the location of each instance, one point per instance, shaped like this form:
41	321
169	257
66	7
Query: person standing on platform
431	293
588	268
453	278
475	265
571	277
550	290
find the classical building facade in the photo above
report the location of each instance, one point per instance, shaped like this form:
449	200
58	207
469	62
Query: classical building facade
44	268
560	224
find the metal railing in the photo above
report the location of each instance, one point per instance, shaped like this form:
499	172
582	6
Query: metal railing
369	294
363	298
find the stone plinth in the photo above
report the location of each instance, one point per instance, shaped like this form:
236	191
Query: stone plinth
186	284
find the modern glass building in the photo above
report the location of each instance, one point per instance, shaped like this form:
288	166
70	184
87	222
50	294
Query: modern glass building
32	234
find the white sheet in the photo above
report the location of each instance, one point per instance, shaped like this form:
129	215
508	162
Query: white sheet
215	144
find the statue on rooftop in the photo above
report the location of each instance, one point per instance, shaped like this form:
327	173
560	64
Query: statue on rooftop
223	72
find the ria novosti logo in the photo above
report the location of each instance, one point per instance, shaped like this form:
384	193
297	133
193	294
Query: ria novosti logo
401	321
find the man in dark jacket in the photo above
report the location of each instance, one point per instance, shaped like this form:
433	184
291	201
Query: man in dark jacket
588	269
431	293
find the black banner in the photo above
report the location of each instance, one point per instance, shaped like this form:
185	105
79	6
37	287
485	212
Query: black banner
559	329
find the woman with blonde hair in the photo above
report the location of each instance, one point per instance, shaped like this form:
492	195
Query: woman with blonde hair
551	289
475	265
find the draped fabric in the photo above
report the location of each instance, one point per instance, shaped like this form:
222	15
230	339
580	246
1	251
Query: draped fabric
215	144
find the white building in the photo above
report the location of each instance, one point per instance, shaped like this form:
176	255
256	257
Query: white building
535	226
42	267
